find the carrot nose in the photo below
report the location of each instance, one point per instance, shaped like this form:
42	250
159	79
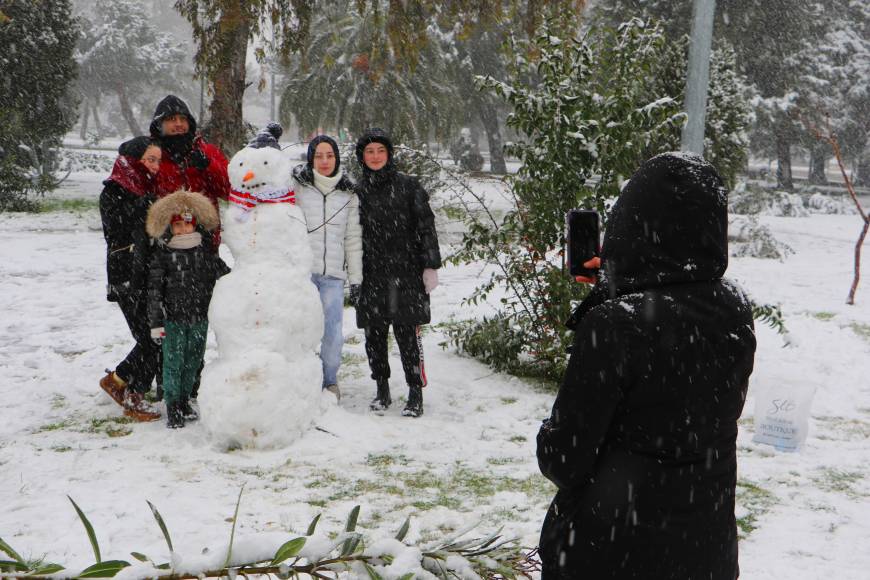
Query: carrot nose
248	176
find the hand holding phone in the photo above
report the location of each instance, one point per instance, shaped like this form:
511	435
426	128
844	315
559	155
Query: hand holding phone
583	235
592	264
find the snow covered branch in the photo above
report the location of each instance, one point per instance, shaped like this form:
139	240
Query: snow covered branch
345	555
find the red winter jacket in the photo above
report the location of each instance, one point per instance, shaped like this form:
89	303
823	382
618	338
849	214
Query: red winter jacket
212	182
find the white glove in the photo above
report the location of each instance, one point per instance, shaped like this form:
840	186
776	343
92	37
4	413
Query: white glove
430	280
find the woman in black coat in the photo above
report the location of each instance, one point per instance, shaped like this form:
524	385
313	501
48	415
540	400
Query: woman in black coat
400	259
127	195
641	442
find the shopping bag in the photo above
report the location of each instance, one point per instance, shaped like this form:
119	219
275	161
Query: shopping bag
782	415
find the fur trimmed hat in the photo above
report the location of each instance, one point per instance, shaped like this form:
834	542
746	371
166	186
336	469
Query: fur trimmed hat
180	203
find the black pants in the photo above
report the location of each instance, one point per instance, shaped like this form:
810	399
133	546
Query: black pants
142	363
410	348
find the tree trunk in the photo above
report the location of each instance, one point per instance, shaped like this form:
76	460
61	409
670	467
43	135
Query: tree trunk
862	169
227	129
127	110
818	160
97	122
86	114
489	119
783	163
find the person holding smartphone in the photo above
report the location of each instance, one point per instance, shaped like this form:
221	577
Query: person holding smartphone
641	441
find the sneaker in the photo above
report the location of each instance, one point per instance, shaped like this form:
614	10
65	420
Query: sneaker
414	408
114	387
333	388
174	416
188	410
136	407
382	400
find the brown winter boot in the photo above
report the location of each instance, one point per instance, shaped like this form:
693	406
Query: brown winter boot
136	407
114	386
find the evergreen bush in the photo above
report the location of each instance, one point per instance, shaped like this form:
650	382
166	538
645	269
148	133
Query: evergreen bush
586	123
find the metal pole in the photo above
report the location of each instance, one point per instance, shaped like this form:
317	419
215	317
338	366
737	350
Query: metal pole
698	76
272	91
201	118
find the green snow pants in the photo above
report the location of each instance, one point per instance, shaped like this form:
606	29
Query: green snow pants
183	351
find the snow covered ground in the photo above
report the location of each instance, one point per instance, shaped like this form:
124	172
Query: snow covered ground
470	458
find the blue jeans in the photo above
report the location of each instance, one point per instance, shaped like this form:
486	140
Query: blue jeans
332	298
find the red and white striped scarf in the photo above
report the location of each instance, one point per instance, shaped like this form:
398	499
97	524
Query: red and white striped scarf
248	200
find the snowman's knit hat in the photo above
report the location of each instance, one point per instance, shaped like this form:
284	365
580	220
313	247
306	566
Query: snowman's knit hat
180	203
267	137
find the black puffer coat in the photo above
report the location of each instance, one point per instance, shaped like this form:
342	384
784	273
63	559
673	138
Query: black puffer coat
399	242
127	194
641	442
180	283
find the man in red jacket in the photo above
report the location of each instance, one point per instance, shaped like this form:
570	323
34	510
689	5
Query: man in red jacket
188	161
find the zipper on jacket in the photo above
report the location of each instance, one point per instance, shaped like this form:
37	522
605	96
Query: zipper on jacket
324	233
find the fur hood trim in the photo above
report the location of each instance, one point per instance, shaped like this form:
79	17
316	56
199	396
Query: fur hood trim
161	212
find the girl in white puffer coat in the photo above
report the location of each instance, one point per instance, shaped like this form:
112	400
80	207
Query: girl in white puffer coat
331	210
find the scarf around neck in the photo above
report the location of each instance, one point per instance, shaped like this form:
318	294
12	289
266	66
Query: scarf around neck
326	184
185	241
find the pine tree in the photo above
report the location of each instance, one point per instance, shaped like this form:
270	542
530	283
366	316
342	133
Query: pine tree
729	113
584	127
37	40
358	72
122	54
766	35
222	29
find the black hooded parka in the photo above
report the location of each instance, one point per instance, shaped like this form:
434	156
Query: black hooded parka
399	242
641	442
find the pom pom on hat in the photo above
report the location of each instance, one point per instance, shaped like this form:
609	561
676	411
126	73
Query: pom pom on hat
267	137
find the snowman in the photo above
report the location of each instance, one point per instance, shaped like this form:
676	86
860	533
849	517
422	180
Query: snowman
263	390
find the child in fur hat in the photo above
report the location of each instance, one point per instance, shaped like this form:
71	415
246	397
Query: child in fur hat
181	277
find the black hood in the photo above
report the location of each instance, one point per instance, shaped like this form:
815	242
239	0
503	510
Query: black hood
374	135
170	105
312	147
668	226
136	146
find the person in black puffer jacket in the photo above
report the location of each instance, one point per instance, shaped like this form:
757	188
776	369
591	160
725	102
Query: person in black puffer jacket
641	442
127	194
400	262
181	278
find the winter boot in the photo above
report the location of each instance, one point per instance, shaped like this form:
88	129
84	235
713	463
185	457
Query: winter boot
136	407
174	416
114	386
382	400
188	410
334	390
414	408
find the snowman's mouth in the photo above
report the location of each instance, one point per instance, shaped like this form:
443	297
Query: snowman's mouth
256	185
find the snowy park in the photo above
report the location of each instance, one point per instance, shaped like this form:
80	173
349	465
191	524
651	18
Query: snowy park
367	341
469	460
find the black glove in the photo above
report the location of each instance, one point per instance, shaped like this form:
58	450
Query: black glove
354	294
198	159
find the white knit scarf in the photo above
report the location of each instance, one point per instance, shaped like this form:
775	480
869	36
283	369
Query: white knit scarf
185	241
326	184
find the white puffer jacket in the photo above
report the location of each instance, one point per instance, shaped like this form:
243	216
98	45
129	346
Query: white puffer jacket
334	231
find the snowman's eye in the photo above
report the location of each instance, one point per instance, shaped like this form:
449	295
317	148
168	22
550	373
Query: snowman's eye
265	163
241	163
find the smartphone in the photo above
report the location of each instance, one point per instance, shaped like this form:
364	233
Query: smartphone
582	234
